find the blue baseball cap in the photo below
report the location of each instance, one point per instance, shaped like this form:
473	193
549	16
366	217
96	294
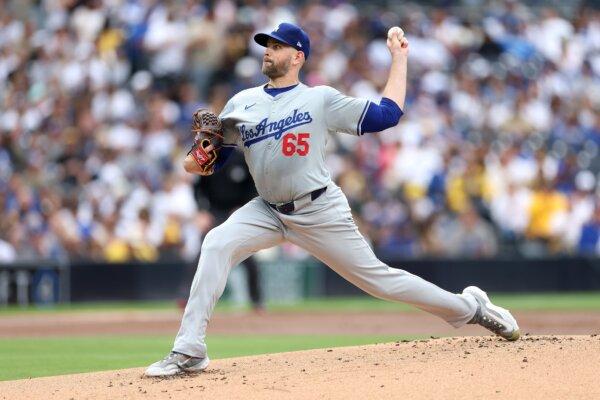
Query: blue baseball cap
289	34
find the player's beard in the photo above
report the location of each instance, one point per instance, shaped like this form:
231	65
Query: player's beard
276	70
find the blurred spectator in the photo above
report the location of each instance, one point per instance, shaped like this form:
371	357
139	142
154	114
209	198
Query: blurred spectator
469	235
96	96
589	242
548	206
7	252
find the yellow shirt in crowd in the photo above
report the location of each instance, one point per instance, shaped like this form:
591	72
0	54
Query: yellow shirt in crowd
544	207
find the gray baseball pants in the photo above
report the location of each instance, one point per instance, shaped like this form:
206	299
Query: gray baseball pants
325	229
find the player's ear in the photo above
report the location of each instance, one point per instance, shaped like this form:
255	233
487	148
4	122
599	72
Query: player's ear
299	58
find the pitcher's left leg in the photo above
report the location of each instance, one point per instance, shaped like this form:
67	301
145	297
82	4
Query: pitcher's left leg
333	238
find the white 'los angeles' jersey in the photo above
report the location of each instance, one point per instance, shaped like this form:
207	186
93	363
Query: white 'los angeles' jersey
284	136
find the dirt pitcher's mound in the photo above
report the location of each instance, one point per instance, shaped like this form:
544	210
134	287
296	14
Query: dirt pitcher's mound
537	367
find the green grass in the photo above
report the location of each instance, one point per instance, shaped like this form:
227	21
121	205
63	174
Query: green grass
583	301
579	301
536	302
28	357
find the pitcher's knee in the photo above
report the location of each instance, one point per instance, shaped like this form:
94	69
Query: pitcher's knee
214	241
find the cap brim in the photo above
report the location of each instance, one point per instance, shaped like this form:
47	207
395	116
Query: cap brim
263	38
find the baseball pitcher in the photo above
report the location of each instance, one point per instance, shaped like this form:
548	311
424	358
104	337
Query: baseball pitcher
282	128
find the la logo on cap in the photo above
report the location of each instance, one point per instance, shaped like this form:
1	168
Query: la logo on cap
299	44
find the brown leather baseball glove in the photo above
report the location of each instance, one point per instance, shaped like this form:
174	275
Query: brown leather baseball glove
207	141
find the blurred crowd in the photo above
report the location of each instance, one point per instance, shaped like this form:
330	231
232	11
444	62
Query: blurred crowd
497	153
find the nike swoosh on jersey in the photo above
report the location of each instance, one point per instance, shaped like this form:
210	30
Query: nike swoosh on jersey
251	105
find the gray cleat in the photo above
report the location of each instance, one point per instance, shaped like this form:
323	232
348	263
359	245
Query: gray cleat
177	363
494	318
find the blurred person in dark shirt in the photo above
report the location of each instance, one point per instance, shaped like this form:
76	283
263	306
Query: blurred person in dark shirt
220	195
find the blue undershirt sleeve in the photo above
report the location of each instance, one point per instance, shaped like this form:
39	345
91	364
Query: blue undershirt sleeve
381	116
224	155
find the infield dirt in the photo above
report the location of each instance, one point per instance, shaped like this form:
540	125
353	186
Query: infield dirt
283	323
536	367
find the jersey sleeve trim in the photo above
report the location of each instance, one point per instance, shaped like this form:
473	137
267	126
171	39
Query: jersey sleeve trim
380	117
360	120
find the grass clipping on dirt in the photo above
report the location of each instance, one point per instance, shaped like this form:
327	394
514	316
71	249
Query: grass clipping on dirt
536	367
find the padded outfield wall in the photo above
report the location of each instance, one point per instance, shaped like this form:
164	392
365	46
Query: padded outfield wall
285	280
